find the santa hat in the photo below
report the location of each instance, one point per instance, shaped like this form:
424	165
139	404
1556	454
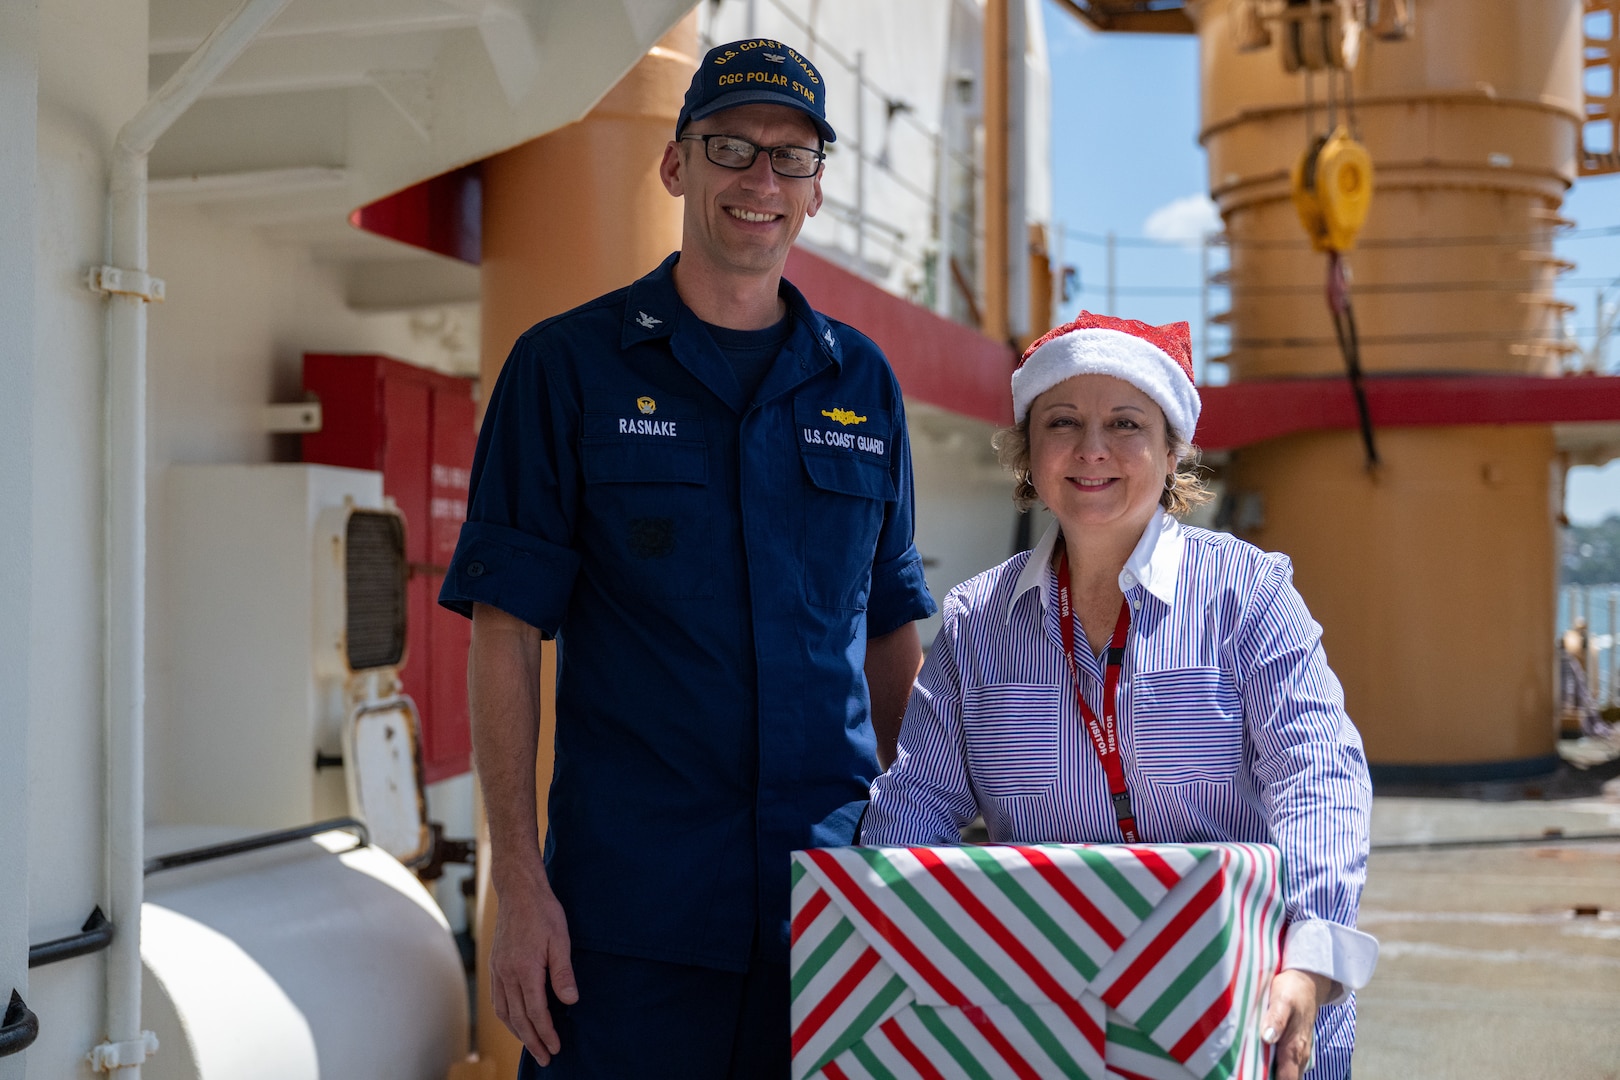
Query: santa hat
1157	360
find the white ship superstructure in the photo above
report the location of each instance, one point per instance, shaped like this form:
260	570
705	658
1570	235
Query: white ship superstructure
176	235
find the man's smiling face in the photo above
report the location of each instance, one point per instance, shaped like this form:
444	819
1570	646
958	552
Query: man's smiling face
742	221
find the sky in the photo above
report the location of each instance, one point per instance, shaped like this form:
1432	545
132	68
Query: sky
1126	159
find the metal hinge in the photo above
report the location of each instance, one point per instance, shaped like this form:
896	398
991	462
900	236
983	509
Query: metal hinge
111	281
109	1056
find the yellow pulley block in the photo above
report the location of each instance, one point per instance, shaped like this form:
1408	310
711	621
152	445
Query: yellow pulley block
1333	186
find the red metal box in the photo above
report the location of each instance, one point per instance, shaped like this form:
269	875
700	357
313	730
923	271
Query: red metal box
416	427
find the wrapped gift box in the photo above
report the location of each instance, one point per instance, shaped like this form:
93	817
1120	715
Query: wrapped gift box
1034	961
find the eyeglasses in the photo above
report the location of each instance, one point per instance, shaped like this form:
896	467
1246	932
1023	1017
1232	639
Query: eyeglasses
735	152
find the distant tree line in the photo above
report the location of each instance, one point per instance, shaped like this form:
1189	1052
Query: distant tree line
1591	554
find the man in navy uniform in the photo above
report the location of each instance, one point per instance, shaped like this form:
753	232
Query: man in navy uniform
702	488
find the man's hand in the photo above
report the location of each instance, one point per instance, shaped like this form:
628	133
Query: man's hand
1290	1020
530	943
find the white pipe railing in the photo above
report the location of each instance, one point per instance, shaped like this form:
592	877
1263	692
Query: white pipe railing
129	290
914	253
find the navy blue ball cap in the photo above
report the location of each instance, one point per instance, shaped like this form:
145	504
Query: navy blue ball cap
757	71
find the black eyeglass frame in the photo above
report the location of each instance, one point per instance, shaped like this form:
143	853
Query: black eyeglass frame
768	151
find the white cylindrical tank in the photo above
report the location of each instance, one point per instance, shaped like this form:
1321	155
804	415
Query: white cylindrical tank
308	960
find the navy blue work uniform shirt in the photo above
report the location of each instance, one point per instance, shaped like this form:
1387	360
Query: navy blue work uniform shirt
712	567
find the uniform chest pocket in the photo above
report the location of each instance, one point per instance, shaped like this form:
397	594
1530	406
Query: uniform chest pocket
1011	732
844	451
646	498
1187	726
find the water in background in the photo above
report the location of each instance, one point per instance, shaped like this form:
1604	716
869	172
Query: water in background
1599	605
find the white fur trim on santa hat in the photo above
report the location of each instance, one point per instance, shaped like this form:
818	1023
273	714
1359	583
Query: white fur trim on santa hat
1096	351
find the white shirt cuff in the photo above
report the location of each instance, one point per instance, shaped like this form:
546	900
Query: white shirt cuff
1337	952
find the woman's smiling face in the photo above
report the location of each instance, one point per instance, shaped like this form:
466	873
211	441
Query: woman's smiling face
1099	454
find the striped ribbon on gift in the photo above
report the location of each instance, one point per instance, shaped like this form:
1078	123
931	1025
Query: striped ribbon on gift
1033	961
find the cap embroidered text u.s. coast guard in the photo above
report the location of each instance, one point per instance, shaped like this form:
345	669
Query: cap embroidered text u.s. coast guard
757	71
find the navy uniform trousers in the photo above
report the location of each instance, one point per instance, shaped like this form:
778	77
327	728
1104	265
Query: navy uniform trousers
649	1020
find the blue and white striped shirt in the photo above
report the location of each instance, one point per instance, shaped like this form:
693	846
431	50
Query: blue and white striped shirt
1231	725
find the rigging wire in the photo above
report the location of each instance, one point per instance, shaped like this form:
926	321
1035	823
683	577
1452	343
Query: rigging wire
1350	100
1331	181
1344	328
1310	106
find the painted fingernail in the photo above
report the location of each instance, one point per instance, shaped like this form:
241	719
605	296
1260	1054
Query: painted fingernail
1270	1034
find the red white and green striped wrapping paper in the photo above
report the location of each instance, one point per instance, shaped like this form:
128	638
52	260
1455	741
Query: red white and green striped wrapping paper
1146	962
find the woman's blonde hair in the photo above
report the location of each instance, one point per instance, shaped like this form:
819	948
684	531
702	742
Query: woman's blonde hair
1183	490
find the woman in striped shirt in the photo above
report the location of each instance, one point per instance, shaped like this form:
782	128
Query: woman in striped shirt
1136	679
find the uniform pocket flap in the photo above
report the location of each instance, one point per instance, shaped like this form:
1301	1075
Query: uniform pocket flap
846	449
850	476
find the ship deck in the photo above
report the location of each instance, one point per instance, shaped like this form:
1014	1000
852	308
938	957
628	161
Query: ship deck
1499	960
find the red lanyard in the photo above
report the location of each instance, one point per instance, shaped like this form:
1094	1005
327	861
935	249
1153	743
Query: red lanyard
1105	733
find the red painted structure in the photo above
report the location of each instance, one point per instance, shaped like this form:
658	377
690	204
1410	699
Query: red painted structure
1241	414
936	360
953	366
416	428
443	214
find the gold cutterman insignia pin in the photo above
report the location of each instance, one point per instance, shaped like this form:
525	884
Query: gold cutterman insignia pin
843	416
647	405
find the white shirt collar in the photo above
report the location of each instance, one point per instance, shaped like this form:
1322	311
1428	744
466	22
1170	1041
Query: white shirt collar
1153	564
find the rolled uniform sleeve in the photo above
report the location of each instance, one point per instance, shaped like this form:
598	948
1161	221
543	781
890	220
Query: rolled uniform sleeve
899	592
1312	776
515	550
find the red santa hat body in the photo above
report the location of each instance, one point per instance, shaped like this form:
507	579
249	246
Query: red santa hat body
1157	360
